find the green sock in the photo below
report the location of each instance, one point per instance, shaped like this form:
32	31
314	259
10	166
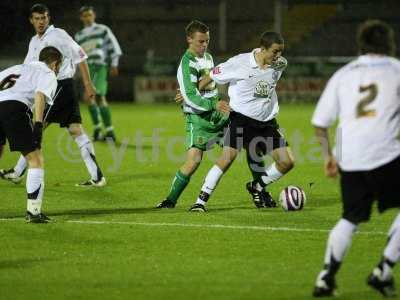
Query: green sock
94	114
257	167
106	116
178	185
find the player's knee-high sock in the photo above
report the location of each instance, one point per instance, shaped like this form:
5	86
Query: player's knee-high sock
88	156
270	175
20	167
106	116
256	166
34	189
210	182
95	115
178	185
338	242
391	254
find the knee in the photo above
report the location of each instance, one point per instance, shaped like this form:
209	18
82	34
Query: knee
286	165
35	159
75	130
190	166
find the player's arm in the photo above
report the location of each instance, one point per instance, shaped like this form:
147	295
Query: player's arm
90	90
206	80
187	79
114	51
330	164
323	118
40	102
79	58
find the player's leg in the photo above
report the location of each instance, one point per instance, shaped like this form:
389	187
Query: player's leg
283	163
233	143
106	117
182	177
357	197
16	174
16	125
381	278
213	177
35	187
255	162
88	155
93	107
102	87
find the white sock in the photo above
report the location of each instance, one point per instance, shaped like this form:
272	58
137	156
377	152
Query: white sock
20	167
210	182
392	250
339	240
271	175
34	189
88	156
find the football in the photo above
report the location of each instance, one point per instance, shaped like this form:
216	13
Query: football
292	198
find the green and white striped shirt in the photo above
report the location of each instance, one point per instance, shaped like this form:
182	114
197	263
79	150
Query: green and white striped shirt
100	45
190	71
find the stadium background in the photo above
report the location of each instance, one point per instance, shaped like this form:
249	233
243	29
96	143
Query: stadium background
319	36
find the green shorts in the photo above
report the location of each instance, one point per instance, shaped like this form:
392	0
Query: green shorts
98	74
204	130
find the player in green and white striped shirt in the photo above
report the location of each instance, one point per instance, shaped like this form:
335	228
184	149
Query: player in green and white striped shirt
103	52
206	116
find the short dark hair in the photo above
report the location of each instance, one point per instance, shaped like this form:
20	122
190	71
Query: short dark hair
196	26
375	36
40	9
50	54
85	8
271	37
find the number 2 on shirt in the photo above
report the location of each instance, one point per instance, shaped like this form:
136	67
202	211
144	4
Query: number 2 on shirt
372	91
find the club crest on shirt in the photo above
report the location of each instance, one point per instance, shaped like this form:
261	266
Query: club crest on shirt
263	89
275	75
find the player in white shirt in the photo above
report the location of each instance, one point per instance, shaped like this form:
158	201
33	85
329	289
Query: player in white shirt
365	96
252	78
25	87
65	110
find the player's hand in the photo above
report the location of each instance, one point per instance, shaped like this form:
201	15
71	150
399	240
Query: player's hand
37	134
178	96
223	107
90	91
331	167
114	72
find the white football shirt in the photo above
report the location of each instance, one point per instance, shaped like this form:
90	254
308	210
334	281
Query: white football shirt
34	77
365	96
72	53
251	89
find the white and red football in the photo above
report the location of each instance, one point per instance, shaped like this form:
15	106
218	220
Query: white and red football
292	198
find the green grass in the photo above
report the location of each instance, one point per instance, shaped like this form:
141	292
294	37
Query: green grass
126	257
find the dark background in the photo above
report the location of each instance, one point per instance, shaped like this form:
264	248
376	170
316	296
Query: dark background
155	28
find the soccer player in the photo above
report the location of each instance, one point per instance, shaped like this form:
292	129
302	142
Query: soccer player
103	51
65	110
23	87
252	78
204	113
365	96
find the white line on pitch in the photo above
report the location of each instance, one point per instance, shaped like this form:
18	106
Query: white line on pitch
221	226
262	228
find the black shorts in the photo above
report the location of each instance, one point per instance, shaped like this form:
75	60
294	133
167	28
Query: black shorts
65	109
253	135
361	188
16	126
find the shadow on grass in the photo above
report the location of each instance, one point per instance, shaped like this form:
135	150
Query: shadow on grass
20	263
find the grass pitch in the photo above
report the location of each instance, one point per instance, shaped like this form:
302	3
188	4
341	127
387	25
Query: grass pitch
110	243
